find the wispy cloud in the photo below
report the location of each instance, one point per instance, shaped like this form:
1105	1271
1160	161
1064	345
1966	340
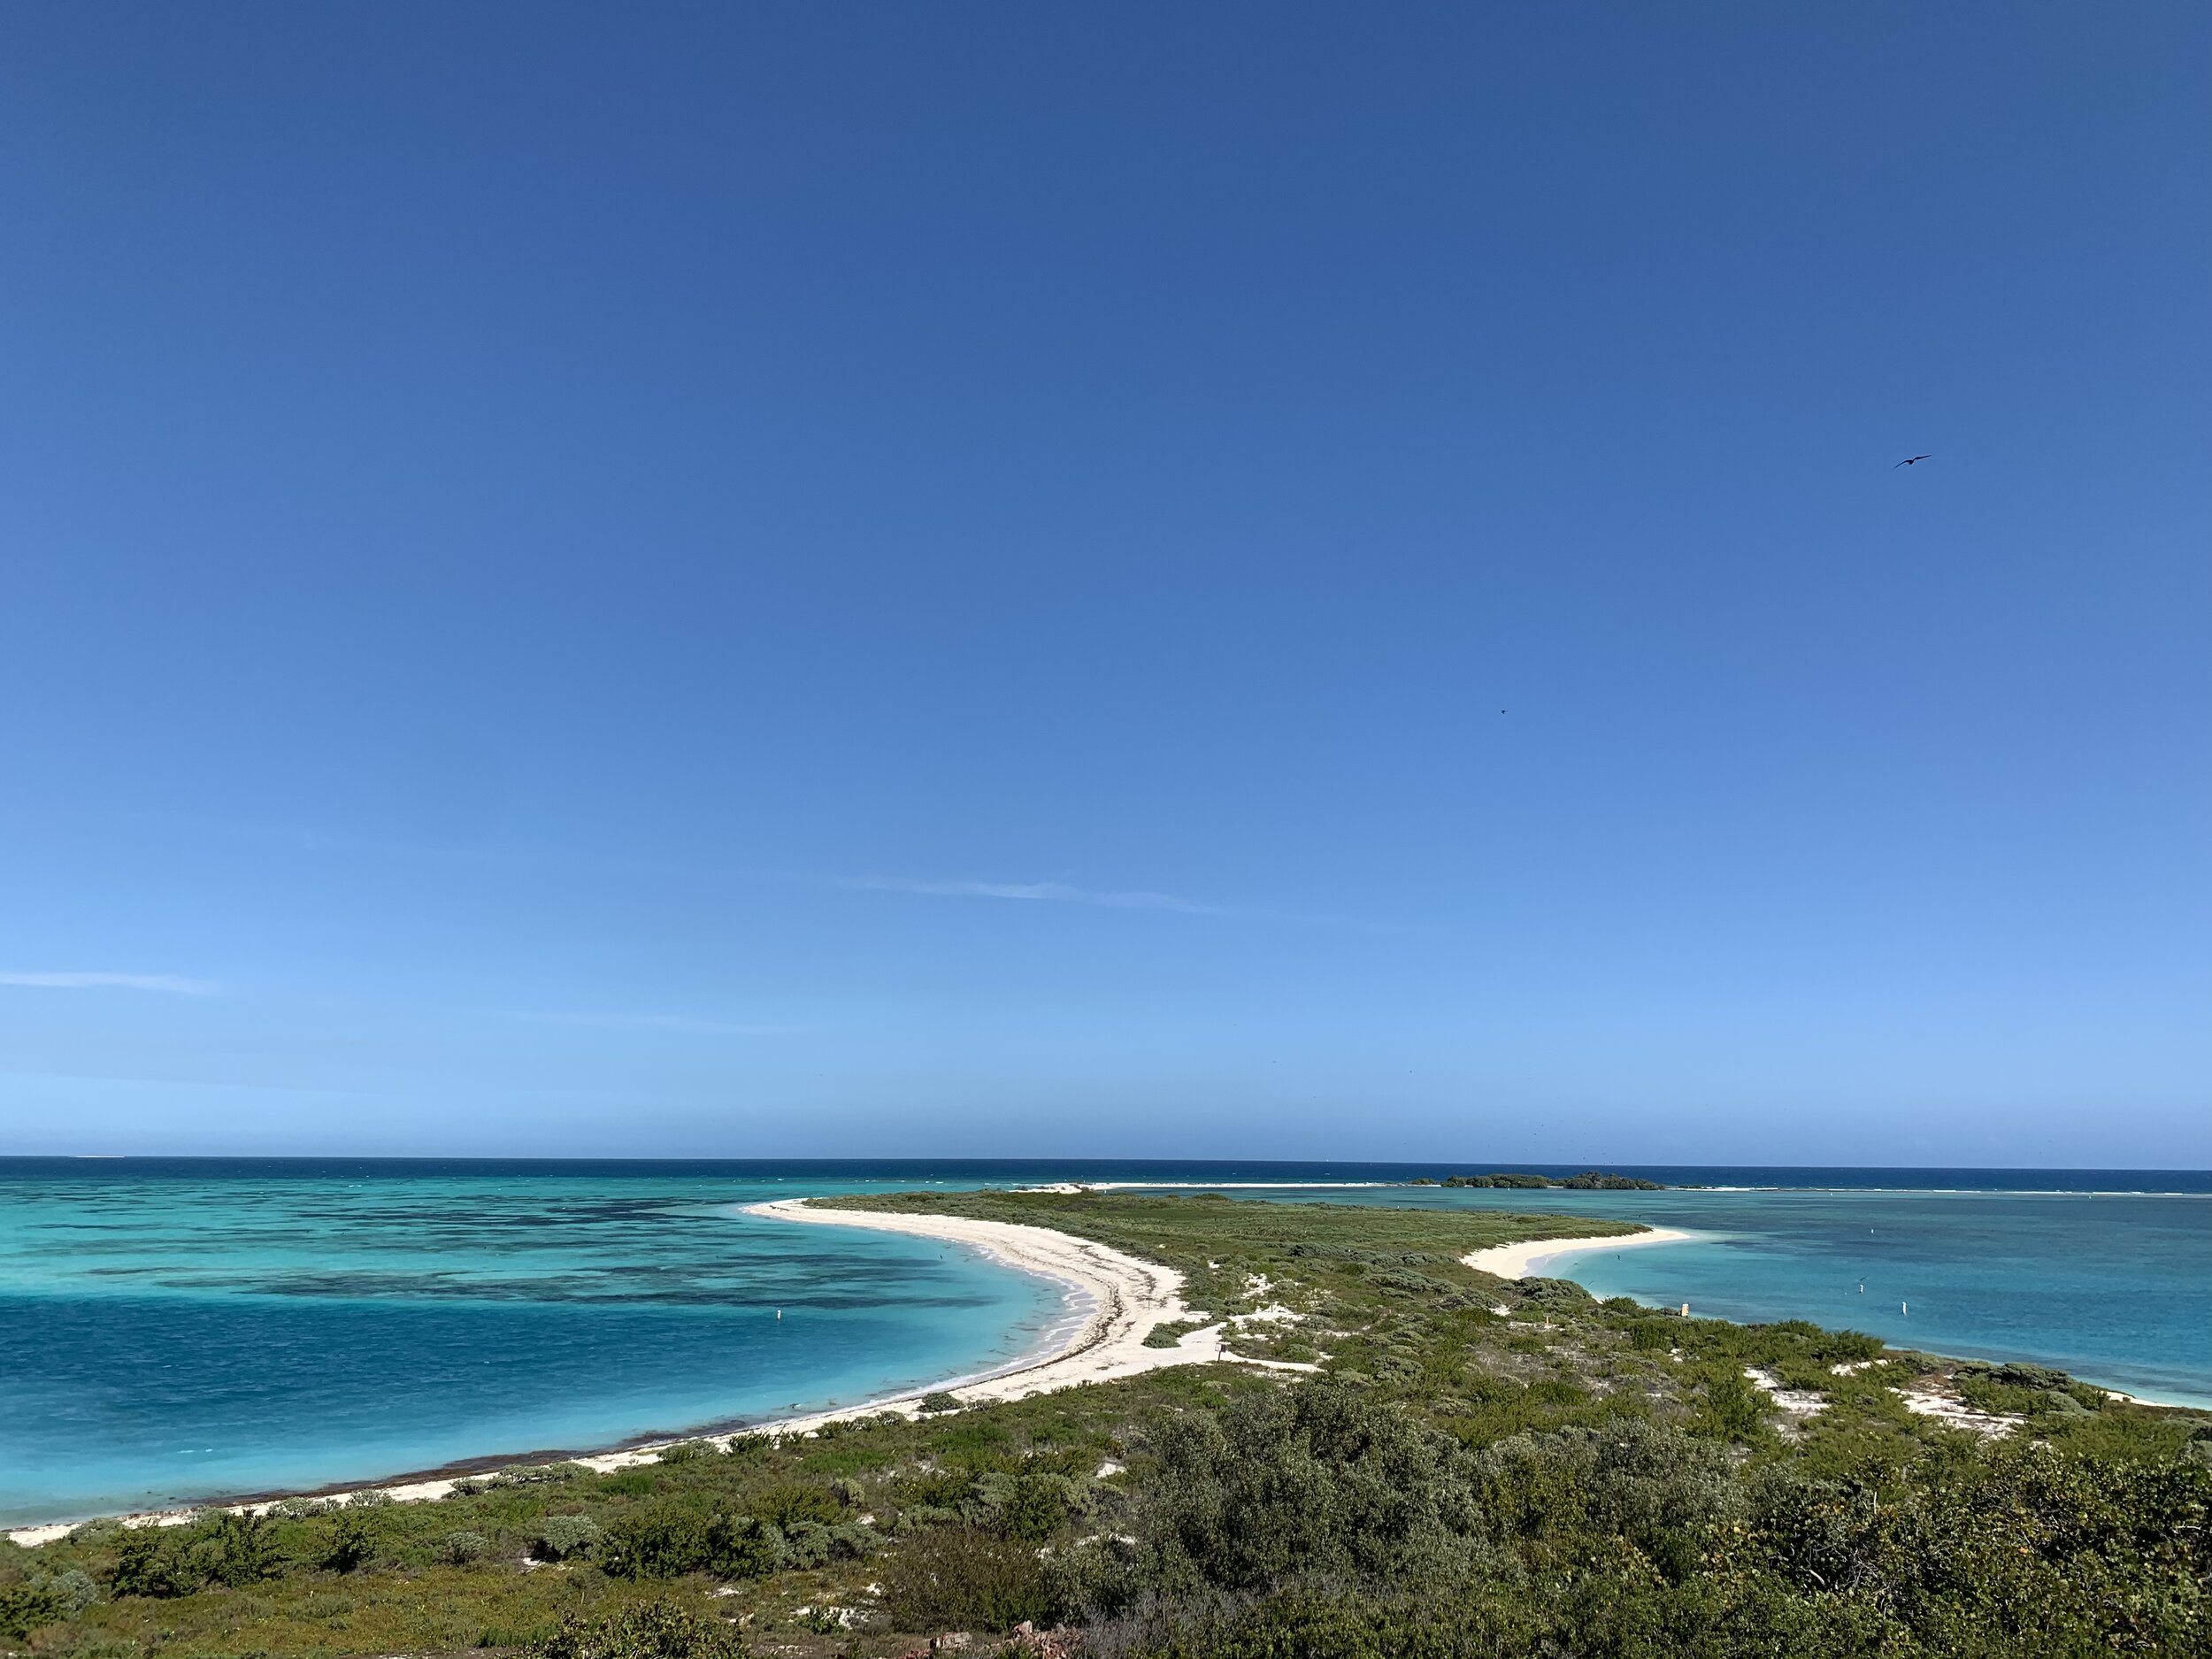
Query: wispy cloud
1032	892
650	1022
169	983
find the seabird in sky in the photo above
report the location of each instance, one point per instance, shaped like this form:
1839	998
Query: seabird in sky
1910	460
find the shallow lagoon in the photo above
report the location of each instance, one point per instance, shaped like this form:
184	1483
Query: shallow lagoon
2114	1287
167	1338
177	1330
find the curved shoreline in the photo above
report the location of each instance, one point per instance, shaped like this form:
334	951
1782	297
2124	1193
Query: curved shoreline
1115	1300
1534	1257
1127	1298
1119	1298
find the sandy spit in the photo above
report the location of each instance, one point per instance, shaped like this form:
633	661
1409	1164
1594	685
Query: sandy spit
1115	1300
1536	1258
1119	1297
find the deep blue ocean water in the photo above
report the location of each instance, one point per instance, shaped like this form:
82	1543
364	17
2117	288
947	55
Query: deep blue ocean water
174	1330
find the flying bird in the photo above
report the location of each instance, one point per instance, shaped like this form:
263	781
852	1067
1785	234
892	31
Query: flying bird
1910	460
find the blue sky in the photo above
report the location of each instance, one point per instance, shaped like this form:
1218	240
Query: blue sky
1235	581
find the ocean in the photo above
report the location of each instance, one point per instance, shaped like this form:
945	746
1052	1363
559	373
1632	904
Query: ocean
176	1330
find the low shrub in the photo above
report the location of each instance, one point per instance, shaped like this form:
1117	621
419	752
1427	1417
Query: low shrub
963	1577
48	1598
232	1550
1317	1483
668	1540
936	1488
793	1501
147	1565
1168	1333
25	1607
237	1550
1734	1408
566	1537
1033	1507
1553	1292
645	1630
535	1474
349	1540
458	1549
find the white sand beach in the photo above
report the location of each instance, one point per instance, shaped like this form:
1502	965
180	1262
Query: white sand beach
1537	1257
1119	1298
1116	1301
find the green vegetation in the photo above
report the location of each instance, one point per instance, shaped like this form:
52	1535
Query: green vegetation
1478	1467
650	1630
1169	1332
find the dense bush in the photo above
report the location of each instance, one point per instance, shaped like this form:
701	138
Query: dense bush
1366	1535
223	1549
2032	1391
458	1548
147	1564
1609	1615
46	1599
25	1607
646	1630
1313	1482
964	1577
1034	1505
666	1540
566	1537
1734	1408
1553	1292
348	1540
793	1501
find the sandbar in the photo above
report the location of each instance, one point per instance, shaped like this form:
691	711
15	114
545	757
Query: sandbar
1536	1258
1118	1298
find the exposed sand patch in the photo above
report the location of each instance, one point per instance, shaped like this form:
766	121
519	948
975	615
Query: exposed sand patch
1799	1402
1537	1257
1933	1401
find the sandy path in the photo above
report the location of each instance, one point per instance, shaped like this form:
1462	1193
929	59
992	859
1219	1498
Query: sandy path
1537	1257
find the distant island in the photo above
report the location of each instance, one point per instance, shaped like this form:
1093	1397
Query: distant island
1588	1182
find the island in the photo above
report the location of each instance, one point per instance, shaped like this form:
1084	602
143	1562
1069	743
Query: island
1275	1429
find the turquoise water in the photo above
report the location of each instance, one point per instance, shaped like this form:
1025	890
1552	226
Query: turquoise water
2116	1287
174	1331
170	1339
